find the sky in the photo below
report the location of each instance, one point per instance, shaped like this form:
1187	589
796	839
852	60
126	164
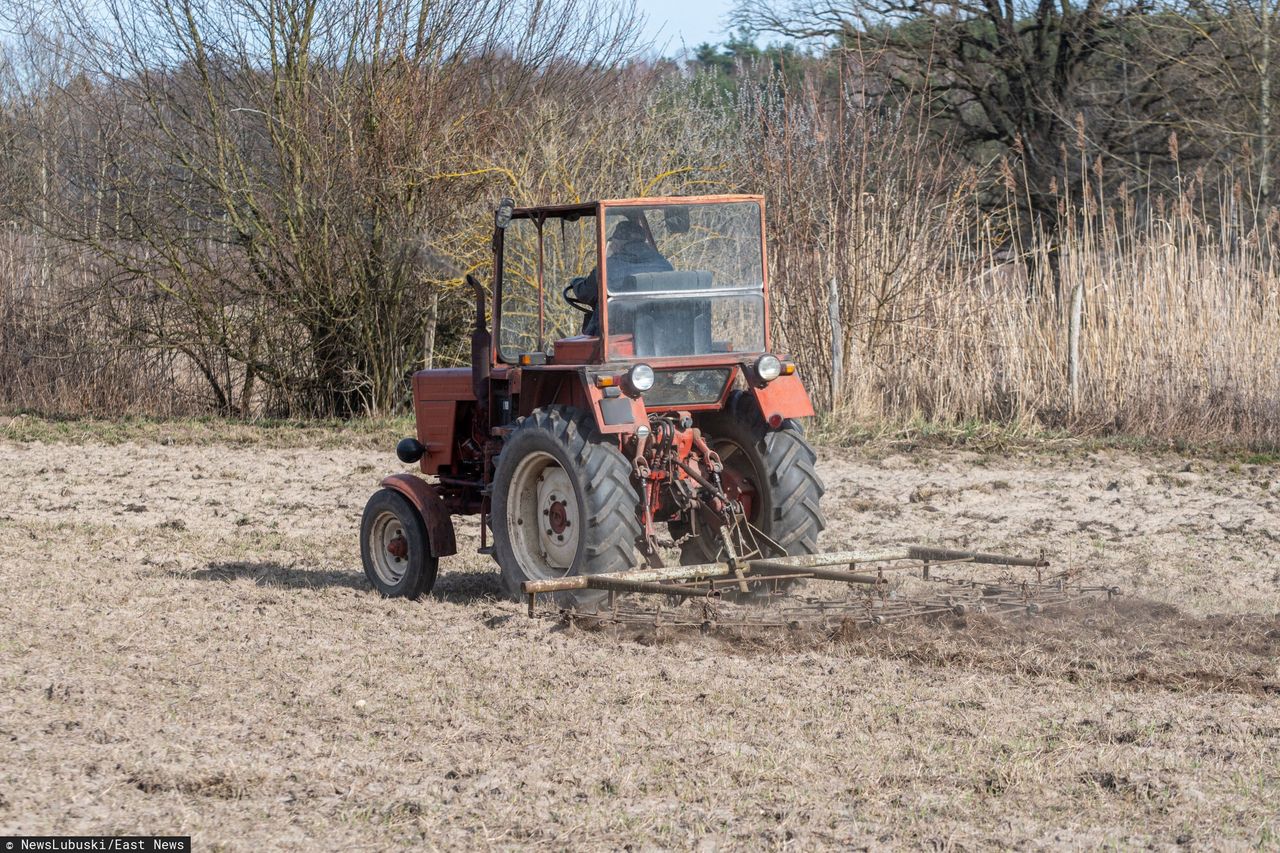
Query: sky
673	23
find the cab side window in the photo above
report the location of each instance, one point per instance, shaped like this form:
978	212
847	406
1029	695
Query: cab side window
519	323
568	252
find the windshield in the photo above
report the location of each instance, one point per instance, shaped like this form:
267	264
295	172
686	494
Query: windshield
684	279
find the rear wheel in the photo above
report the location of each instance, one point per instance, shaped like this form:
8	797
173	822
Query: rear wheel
771	472
393	547
563	504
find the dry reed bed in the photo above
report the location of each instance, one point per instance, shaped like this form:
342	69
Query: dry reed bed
1179	336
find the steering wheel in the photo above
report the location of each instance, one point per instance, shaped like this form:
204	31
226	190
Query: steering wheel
574	301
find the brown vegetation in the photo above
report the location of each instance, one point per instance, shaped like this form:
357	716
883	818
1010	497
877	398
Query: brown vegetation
279	228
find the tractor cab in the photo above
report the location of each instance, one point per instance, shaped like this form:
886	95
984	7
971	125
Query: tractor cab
619	280
669	295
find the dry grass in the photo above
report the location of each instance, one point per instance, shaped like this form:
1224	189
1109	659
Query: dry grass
314	433
189	647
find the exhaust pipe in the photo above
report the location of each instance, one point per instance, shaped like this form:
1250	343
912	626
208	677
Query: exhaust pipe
481	343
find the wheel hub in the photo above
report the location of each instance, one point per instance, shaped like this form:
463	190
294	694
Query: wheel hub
556	533
557	517
389	549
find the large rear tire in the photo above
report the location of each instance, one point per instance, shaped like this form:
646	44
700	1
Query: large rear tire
773	472
563	504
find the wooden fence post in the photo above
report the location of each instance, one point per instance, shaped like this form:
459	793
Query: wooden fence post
837	342
1073	349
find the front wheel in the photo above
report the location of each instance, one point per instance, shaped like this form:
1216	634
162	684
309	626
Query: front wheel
394	548
772	473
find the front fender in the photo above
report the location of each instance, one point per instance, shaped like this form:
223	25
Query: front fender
435	515
784	397
617	415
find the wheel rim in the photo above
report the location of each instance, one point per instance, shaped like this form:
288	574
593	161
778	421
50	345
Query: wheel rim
739	483
388	548
543	521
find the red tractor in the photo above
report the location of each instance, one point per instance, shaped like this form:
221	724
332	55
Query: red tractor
628	384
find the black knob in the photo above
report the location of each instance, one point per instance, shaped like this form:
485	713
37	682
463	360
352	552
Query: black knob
410	450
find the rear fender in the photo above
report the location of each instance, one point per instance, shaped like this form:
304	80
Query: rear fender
784	397
435	515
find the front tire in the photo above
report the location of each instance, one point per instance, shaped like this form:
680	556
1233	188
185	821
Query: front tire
394	547
773	471
563	504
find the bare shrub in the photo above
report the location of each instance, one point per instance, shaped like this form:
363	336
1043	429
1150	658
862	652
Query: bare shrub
284	180
62	357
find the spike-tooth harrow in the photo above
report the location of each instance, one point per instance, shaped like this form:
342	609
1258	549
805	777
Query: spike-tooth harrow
876	587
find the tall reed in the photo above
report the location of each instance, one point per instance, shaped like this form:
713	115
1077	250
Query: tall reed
906	295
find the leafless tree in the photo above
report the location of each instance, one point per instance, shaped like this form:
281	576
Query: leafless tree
1220	96
276	180
1031	82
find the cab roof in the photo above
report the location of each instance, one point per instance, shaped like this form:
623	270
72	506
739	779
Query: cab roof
589	208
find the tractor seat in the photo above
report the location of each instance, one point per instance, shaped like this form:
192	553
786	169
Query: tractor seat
666	323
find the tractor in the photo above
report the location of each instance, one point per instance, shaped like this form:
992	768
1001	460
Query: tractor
628	385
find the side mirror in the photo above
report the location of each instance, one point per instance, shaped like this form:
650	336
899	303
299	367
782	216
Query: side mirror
502	216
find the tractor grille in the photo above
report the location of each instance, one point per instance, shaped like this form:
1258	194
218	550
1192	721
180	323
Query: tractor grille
675	388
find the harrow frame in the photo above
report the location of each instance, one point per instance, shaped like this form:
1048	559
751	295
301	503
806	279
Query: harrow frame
867	571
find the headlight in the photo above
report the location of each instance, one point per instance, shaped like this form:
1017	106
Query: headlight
768	368
641	377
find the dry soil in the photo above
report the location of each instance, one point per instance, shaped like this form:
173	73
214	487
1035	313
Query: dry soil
188	646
